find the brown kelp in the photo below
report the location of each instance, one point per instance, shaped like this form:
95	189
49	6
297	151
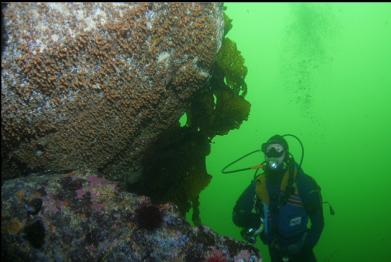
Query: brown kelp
174	167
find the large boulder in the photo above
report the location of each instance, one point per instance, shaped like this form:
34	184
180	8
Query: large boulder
80	216
91	85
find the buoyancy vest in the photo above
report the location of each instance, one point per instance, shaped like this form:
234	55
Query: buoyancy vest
289	222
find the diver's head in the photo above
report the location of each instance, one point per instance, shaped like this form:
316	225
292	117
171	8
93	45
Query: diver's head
276	155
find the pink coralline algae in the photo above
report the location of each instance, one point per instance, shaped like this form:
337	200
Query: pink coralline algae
98	189
216	255
97	181
51	204
246	256
97	186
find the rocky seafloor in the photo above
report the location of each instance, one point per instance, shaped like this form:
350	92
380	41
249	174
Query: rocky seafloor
80	216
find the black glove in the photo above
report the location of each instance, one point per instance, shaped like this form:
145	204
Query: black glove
249	235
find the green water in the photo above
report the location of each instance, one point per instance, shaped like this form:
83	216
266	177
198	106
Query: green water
323	73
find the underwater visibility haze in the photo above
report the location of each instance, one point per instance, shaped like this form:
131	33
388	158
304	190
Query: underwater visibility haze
321	71
118	119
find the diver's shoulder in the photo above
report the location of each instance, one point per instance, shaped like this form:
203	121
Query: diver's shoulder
307	181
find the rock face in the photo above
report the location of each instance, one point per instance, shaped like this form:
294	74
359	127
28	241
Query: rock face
90	85
80	216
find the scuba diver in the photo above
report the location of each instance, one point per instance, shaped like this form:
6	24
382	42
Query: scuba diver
279	203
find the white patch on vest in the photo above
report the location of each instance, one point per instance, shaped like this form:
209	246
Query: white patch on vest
295	221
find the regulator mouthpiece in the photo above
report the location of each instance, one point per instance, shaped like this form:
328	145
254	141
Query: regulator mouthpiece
273	164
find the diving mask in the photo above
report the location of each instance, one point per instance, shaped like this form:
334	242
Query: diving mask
275	156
